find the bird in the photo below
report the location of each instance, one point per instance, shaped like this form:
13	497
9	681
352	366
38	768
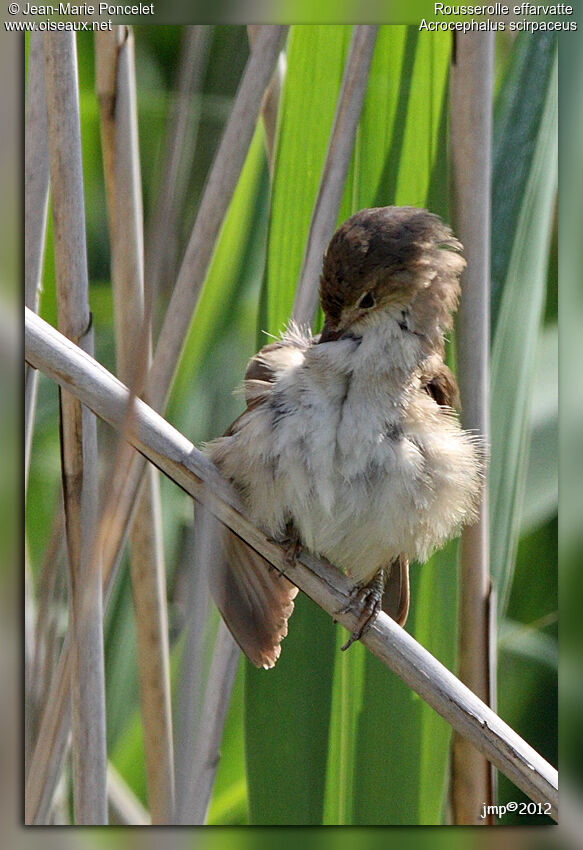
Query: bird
350	445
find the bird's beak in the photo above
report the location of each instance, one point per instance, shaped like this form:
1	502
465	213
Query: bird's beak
329	332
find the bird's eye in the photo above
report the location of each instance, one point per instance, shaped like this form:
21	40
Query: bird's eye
367	301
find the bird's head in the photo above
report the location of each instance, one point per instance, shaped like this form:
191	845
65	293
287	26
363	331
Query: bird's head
401	260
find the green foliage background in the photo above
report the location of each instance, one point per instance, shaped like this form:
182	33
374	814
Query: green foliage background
328	737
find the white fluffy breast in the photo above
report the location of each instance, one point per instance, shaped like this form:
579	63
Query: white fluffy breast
364	465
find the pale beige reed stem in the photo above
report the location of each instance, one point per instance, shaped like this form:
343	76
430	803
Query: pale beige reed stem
36	197
471	131
36	194
116	90
78	435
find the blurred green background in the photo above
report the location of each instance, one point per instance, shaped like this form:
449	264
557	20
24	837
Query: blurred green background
401	157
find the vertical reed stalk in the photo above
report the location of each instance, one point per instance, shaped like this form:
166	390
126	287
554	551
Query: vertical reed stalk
36	196
115	77
78	434
471	131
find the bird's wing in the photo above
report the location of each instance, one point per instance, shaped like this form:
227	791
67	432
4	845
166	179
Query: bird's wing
266	367
254	600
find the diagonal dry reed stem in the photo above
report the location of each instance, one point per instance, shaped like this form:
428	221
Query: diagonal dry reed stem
218	192
270	102
47	760
163	230
115	81
78	434
124	807
342	136
62	361
471	130
198	607
203	703
50	601
197	791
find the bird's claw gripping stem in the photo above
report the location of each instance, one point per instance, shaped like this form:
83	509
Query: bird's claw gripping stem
365	603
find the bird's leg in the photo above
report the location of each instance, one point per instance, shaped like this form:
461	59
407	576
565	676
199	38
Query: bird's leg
291	542
365	603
